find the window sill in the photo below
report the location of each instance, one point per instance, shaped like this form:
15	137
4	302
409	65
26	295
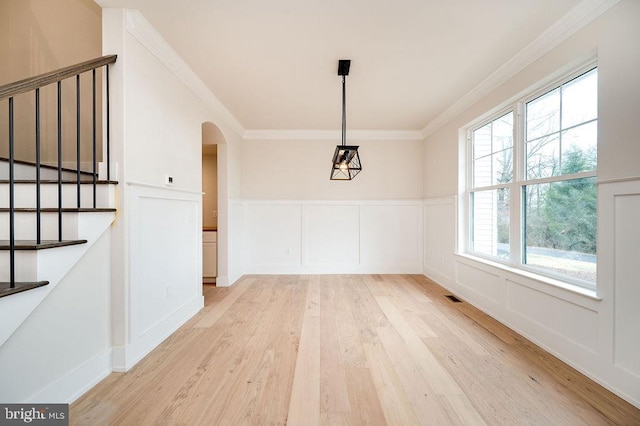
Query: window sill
552	286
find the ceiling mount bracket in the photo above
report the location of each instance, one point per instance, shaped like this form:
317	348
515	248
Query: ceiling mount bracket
343	66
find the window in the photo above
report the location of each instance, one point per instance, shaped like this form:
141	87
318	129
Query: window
532	182
492	172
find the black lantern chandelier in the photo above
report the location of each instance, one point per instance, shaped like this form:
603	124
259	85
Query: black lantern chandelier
346	161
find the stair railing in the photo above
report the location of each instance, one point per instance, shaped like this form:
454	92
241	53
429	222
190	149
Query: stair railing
34	84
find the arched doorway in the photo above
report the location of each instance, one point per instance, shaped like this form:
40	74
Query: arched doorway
214	205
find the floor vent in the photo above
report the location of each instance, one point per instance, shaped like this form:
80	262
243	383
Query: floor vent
452	298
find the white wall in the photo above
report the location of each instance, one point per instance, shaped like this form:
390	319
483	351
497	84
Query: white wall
63	347
158	108
599	335
299	169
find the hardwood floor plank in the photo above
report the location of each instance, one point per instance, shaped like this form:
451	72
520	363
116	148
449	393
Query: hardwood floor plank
438	378
346	350
304	406
248	360
334	397
462	409
396	405
365	404
368	313
349	335
221	308
273	406
417	388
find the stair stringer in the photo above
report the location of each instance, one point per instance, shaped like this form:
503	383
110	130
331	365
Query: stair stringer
54	264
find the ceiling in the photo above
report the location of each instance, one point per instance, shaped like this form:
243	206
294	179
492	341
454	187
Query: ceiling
273	64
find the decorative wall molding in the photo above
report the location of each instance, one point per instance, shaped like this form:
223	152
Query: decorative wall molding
574	20
618	180
161	298
437	201
144	32
332	236
324	135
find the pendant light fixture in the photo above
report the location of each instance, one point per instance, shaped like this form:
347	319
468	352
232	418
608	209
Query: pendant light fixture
346	161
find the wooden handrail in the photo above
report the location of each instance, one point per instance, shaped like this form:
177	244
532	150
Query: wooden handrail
32	83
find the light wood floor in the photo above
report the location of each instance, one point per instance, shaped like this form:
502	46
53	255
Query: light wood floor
361	350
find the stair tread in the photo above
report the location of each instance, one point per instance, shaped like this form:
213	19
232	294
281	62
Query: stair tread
55	181
44	244
6	290
64	209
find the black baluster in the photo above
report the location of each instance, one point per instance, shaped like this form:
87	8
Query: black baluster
59	161
12	236
94	138
38	193
78	138
108	130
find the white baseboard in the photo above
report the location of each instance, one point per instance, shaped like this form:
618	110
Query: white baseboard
73	385
222	281
439	278
126	357
323	269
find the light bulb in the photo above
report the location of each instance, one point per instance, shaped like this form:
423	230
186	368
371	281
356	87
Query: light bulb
344	166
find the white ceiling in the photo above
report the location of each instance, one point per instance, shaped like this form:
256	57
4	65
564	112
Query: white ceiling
273	63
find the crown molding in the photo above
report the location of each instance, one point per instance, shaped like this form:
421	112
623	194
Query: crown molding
358	135
574	20
143	31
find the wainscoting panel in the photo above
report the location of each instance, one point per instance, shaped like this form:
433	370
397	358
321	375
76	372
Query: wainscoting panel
484	284
332	234
391	236
165	268
273	235
166	265
236	243
572	322
627	282
439	246
330	237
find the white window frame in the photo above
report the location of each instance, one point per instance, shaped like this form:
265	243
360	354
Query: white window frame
519	181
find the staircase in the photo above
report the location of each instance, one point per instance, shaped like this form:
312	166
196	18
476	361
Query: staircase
49	215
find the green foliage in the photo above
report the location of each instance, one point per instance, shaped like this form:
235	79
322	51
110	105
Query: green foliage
562	215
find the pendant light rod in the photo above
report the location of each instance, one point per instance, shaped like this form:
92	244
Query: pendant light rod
344	110
343	69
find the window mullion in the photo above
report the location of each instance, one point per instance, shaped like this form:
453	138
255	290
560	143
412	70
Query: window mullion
468	226
519	161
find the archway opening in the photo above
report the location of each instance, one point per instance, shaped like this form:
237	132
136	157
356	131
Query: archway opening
213	203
